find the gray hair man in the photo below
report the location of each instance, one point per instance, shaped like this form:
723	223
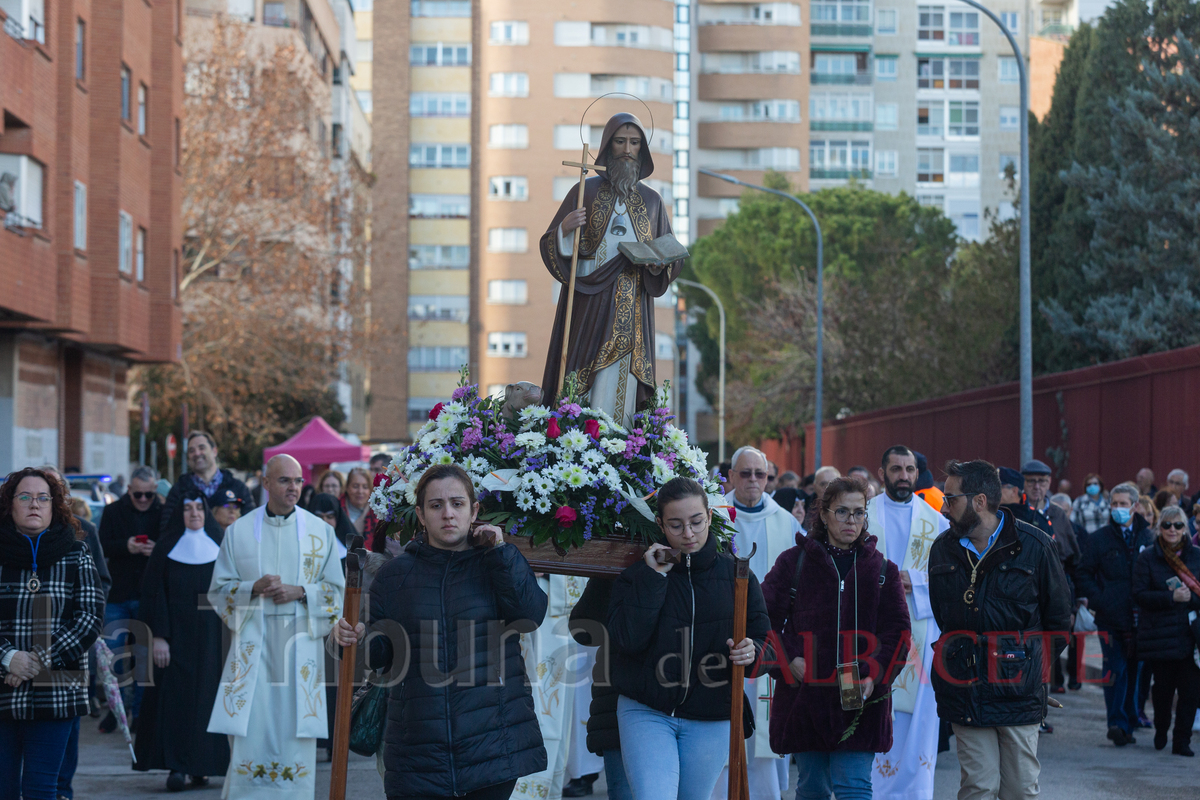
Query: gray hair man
1177	484
759	522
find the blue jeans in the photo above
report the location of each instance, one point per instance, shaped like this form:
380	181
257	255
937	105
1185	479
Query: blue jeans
846	774
70	762
614	776
1121	689
668	757
131	693
31	752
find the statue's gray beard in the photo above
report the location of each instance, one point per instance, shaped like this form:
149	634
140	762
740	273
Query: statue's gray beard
623	175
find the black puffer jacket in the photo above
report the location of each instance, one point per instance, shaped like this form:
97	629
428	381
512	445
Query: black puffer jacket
1105	576
988	663
587	618
185	482
1163	633
459	719
649	617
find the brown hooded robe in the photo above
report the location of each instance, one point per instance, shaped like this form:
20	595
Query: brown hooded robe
613	313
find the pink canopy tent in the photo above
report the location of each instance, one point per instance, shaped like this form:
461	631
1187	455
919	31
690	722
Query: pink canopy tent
316	446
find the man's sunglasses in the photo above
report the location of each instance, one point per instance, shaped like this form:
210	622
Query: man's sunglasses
747	474
141	495
1176	525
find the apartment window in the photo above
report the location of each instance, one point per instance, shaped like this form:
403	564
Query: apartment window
774	110
509	292
508	137
1011	20
439	206
80	216
509	32
930	165
937	201
885	163
274	15
335	140
506	344
1007	68
930	117
931	23
727	206
931	73
365	101
431	104
885	21
887	116
841	11
440	54
508	84
964	118
964	170
126	89
439	256
141	110
885	68
840	107
964	213
1010	118
964	28
432	156
139	254
772	14
364	52
840	156
508	187
439	307
508	240
125	243
80	49
964	73
835	63
1008	161
436	359
420	407
441	8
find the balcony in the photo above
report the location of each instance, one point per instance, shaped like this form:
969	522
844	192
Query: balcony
840	125
836	29
839	174
857	79
718	86
750	133
745	38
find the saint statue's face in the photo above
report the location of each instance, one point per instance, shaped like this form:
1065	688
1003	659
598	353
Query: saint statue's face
627	142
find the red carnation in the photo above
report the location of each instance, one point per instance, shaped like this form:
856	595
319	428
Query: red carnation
565	516
436	410
592	428
552	430
732	514
380	477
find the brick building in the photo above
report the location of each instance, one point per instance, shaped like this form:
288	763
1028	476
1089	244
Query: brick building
89	199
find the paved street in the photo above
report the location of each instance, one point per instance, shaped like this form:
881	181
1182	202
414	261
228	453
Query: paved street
1077	762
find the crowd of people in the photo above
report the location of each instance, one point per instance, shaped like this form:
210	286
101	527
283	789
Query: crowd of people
864	577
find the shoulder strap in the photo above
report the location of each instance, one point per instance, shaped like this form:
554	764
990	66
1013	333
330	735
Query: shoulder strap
883	573
796	575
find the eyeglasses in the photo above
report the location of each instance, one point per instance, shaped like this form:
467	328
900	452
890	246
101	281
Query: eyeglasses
842	514
747	474
1176	525
297	482
26	499
677	527
141	495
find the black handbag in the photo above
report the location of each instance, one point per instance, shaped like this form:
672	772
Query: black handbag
368	715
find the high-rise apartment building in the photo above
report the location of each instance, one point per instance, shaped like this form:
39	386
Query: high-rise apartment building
90	243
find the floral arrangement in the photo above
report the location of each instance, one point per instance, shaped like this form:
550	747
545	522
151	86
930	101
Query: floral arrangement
559	474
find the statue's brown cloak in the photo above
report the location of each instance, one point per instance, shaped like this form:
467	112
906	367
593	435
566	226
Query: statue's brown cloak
613	313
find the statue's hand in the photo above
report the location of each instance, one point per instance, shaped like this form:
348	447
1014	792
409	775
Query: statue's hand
576	219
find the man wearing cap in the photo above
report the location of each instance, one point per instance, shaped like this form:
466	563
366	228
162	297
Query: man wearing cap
610	346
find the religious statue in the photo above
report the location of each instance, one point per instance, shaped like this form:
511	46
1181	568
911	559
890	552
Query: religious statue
605	246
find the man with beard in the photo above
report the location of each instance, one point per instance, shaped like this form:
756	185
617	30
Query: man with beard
998	590
907	526
611	342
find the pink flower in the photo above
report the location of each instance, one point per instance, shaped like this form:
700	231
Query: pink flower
380	477
565	516
461	392
553	431
436	410
732	514
592	428
570	409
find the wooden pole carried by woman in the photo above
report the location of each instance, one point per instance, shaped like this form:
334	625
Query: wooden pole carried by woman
739	783
355	560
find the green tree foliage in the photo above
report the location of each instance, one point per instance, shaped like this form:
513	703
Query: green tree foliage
1119	208
905	318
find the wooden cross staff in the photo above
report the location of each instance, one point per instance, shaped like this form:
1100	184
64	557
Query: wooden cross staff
739	786
356	559
583	166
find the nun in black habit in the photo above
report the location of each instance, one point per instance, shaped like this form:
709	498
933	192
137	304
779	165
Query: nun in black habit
188	650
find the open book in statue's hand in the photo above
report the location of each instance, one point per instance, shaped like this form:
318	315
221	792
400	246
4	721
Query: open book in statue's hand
665	249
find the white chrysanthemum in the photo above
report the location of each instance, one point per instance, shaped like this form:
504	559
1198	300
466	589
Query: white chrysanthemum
532	415
542	505
613	446
530	440
444	459
431	439
410	494
564	454
574	476
454	407
476	465
543	485
675	439
592	458
662	470
610	476
575	439
524	500
380	506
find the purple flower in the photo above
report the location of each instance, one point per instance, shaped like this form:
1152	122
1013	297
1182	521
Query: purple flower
570	409
473	434
461	392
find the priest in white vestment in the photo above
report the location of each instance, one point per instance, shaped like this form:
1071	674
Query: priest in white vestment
906	527
758	520
278	585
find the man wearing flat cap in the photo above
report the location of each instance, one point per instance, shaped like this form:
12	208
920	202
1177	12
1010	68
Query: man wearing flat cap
611	343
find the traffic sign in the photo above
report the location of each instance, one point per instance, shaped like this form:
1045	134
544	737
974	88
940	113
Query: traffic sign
171	445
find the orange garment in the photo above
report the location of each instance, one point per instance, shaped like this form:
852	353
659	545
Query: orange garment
934	496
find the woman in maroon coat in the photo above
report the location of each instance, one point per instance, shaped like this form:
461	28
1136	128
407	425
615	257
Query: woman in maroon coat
843	584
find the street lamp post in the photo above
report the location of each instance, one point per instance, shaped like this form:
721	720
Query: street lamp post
721	369
1026	290
820	376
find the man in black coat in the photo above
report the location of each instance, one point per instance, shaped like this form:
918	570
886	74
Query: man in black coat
1105	578
1000	597
206	476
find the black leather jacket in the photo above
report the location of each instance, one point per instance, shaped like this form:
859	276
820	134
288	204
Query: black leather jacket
992	660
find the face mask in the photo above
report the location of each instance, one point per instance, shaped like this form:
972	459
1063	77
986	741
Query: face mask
1093	489
1121	516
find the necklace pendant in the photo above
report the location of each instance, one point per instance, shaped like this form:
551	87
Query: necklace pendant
34	584
969	595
